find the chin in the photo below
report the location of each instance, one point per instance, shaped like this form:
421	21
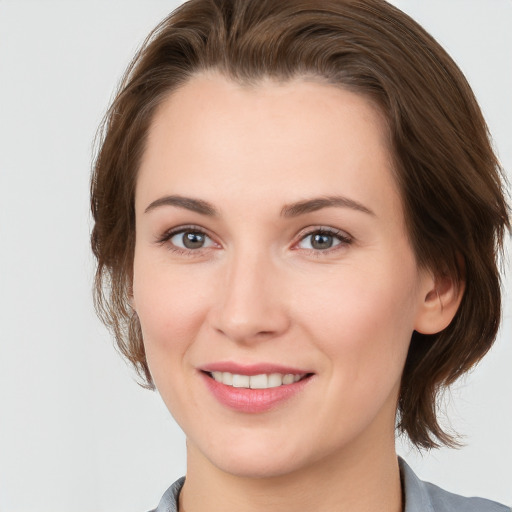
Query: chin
259	458
247	466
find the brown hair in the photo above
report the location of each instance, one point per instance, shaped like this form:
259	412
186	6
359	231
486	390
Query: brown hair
450	180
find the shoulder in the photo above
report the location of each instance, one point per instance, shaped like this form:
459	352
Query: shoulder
169	501
446	501
426	497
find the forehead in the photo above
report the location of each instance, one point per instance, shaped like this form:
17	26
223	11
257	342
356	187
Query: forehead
269	141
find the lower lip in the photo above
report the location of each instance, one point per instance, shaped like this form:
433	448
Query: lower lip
253	400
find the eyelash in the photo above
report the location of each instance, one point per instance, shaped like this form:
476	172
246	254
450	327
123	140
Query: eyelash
166	237
343	238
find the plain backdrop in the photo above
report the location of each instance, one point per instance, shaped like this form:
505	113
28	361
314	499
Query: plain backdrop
76	432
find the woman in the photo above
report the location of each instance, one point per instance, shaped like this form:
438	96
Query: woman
298	215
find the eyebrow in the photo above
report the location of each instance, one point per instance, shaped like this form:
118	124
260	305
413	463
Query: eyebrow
313	205
290	210
194	205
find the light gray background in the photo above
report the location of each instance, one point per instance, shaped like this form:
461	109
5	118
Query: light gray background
76	433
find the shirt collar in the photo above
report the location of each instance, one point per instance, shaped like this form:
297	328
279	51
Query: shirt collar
415	495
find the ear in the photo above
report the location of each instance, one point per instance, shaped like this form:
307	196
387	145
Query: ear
442	296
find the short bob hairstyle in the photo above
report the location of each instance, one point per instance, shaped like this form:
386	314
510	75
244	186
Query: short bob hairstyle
451	184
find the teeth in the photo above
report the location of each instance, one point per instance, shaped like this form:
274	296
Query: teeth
288	378
227	378
275	380
258	381
262	381
241	381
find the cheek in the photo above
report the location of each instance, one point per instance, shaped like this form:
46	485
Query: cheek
171	306
363	320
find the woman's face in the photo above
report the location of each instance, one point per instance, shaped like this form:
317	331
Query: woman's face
270	242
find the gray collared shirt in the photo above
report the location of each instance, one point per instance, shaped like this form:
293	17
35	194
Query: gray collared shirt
419	497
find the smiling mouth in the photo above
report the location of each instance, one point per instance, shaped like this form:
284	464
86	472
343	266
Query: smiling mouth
261	381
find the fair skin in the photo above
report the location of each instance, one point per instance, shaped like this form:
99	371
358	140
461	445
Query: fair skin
239	273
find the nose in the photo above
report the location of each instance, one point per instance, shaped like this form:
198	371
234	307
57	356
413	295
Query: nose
252	302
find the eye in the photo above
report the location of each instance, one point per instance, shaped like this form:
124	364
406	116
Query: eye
323	240
190	239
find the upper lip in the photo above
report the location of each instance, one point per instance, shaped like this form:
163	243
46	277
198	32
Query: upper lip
251	369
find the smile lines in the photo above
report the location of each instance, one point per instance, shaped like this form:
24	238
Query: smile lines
261	381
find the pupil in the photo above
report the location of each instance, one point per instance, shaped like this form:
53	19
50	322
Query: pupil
321	241
193	240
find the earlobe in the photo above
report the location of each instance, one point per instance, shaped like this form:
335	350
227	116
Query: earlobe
442	296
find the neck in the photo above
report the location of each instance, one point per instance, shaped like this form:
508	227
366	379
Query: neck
356	482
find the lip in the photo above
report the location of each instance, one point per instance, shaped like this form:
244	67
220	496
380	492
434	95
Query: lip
251	369
253	401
